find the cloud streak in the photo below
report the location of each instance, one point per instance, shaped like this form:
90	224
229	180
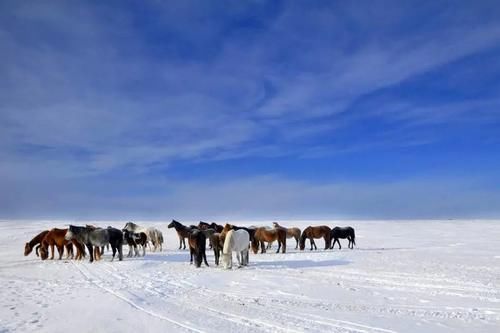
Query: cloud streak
90	91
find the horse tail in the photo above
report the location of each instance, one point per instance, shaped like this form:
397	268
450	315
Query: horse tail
227	242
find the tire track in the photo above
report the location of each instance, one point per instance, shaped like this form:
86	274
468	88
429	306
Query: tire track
252	323
134	305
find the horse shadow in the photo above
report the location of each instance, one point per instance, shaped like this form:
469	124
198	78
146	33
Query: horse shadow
169	257
298	264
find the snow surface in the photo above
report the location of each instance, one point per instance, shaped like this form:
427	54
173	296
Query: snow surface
404	276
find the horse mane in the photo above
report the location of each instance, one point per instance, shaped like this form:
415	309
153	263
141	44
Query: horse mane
38	238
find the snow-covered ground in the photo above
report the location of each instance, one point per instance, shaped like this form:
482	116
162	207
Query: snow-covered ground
404	276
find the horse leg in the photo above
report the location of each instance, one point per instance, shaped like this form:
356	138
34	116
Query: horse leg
113	248
245	254
91	252
205	258
60	250
297	243
216	256
191	254
283	249
120	251
52	249
262	247
238	257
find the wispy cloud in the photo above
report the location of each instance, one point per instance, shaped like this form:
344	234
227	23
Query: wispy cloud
90	90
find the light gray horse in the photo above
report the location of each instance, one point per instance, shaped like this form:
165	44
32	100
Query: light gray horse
97	237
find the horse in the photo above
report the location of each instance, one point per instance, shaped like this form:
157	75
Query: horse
263	234
197	245
217	246
97	237
28	247
235	240
343	232
154	235
156	239
133	240
205	226
55	238
182	232
290	232
310	233
215	240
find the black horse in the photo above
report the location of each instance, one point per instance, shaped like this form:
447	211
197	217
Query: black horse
343	232
197	246
182	232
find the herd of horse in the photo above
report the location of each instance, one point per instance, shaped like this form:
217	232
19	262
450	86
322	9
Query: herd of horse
223	240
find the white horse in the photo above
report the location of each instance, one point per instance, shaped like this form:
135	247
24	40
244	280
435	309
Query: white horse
155	236
236	240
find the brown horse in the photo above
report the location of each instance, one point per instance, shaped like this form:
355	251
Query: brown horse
311	233
290	232
263	234
56	238
28	247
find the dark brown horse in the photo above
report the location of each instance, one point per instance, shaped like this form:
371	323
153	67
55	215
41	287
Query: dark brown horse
311	233
217	246
55	238
28	247
197	246
182	232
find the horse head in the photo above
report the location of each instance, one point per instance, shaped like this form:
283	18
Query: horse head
255	245
130	226
44	251
302	241
27	249
70	233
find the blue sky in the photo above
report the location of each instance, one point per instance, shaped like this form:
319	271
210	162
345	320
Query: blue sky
240	110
